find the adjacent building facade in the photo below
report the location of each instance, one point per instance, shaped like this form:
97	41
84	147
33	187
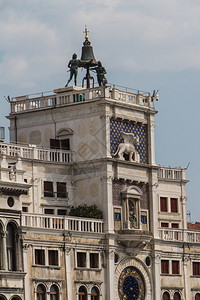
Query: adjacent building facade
92	147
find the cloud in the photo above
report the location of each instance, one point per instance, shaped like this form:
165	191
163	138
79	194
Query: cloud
37	38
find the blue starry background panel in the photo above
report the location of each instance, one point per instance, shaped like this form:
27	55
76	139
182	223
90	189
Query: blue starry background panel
116	126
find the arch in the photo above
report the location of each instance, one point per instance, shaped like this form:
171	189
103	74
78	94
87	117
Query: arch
16	298
197	296
95	293
82	293
140	266
177	296
132	191
166	296
64	132
54	292
41	292
2	297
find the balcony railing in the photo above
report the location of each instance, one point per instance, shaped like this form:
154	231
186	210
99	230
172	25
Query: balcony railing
179	235
62	223
33	152
76	95
171	173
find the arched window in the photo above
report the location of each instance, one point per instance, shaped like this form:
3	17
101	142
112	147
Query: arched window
41	292
197	296
2	297
166	296
54	292
11	244
177	296
16	298
82	293
94	293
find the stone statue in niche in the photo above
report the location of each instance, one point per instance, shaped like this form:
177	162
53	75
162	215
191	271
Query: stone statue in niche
128	147
132	215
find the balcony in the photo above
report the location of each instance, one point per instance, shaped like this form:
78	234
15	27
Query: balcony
33	152
171	173
67	223
179	235
77	95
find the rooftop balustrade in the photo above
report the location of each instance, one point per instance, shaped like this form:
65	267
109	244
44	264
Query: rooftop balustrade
179	235
62	223
33	152
74	95
171	173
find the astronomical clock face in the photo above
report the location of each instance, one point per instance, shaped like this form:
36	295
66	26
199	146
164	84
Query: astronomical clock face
131	285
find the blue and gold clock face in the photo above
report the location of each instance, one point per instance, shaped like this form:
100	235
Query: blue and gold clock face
131	285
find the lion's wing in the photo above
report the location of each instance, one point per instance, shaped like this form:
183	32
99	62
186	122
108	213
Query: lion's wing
128	137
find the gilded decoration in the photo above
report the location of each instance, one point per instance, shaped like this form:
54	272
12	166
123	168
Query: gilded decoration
118	126
131	284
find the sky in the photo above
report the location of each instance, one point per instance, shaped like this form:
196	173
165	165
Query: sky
143	45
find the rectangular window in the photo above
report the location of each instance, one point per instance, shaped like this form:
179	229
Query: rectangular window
65	144
24	208
49	211
54	144
163	204
175	267
164	266
94	260
39	257
48	189
196	268
60	144
174	205
164	225
81	259
62	212
53	257
61	190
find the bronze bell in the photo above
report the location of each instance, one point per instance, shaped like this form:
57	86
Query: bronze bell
87	56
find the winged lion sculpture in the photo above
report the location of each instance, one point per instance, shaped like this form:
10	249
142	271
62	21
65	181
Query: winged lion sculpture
128	147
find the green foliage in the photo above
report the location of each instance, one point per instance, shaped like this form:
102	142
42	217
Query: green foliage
86	211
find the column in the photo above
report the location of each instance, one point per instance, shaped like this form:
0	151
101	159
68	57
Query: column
110	274
26	270
4	252
157	270
186	278
68	272
108	205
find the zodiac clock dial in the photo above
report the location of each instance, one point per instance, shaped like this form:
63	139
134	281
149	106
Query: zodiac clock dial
131	285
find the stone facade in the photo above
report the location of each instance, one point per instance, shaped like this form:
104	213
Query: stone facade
62	154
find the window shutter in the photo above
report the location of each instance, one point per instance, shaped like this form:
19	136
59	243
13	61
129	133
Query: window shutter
174	205
61	190
164	266
175	267
65	144
163	203
54	144
48	189
196	268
